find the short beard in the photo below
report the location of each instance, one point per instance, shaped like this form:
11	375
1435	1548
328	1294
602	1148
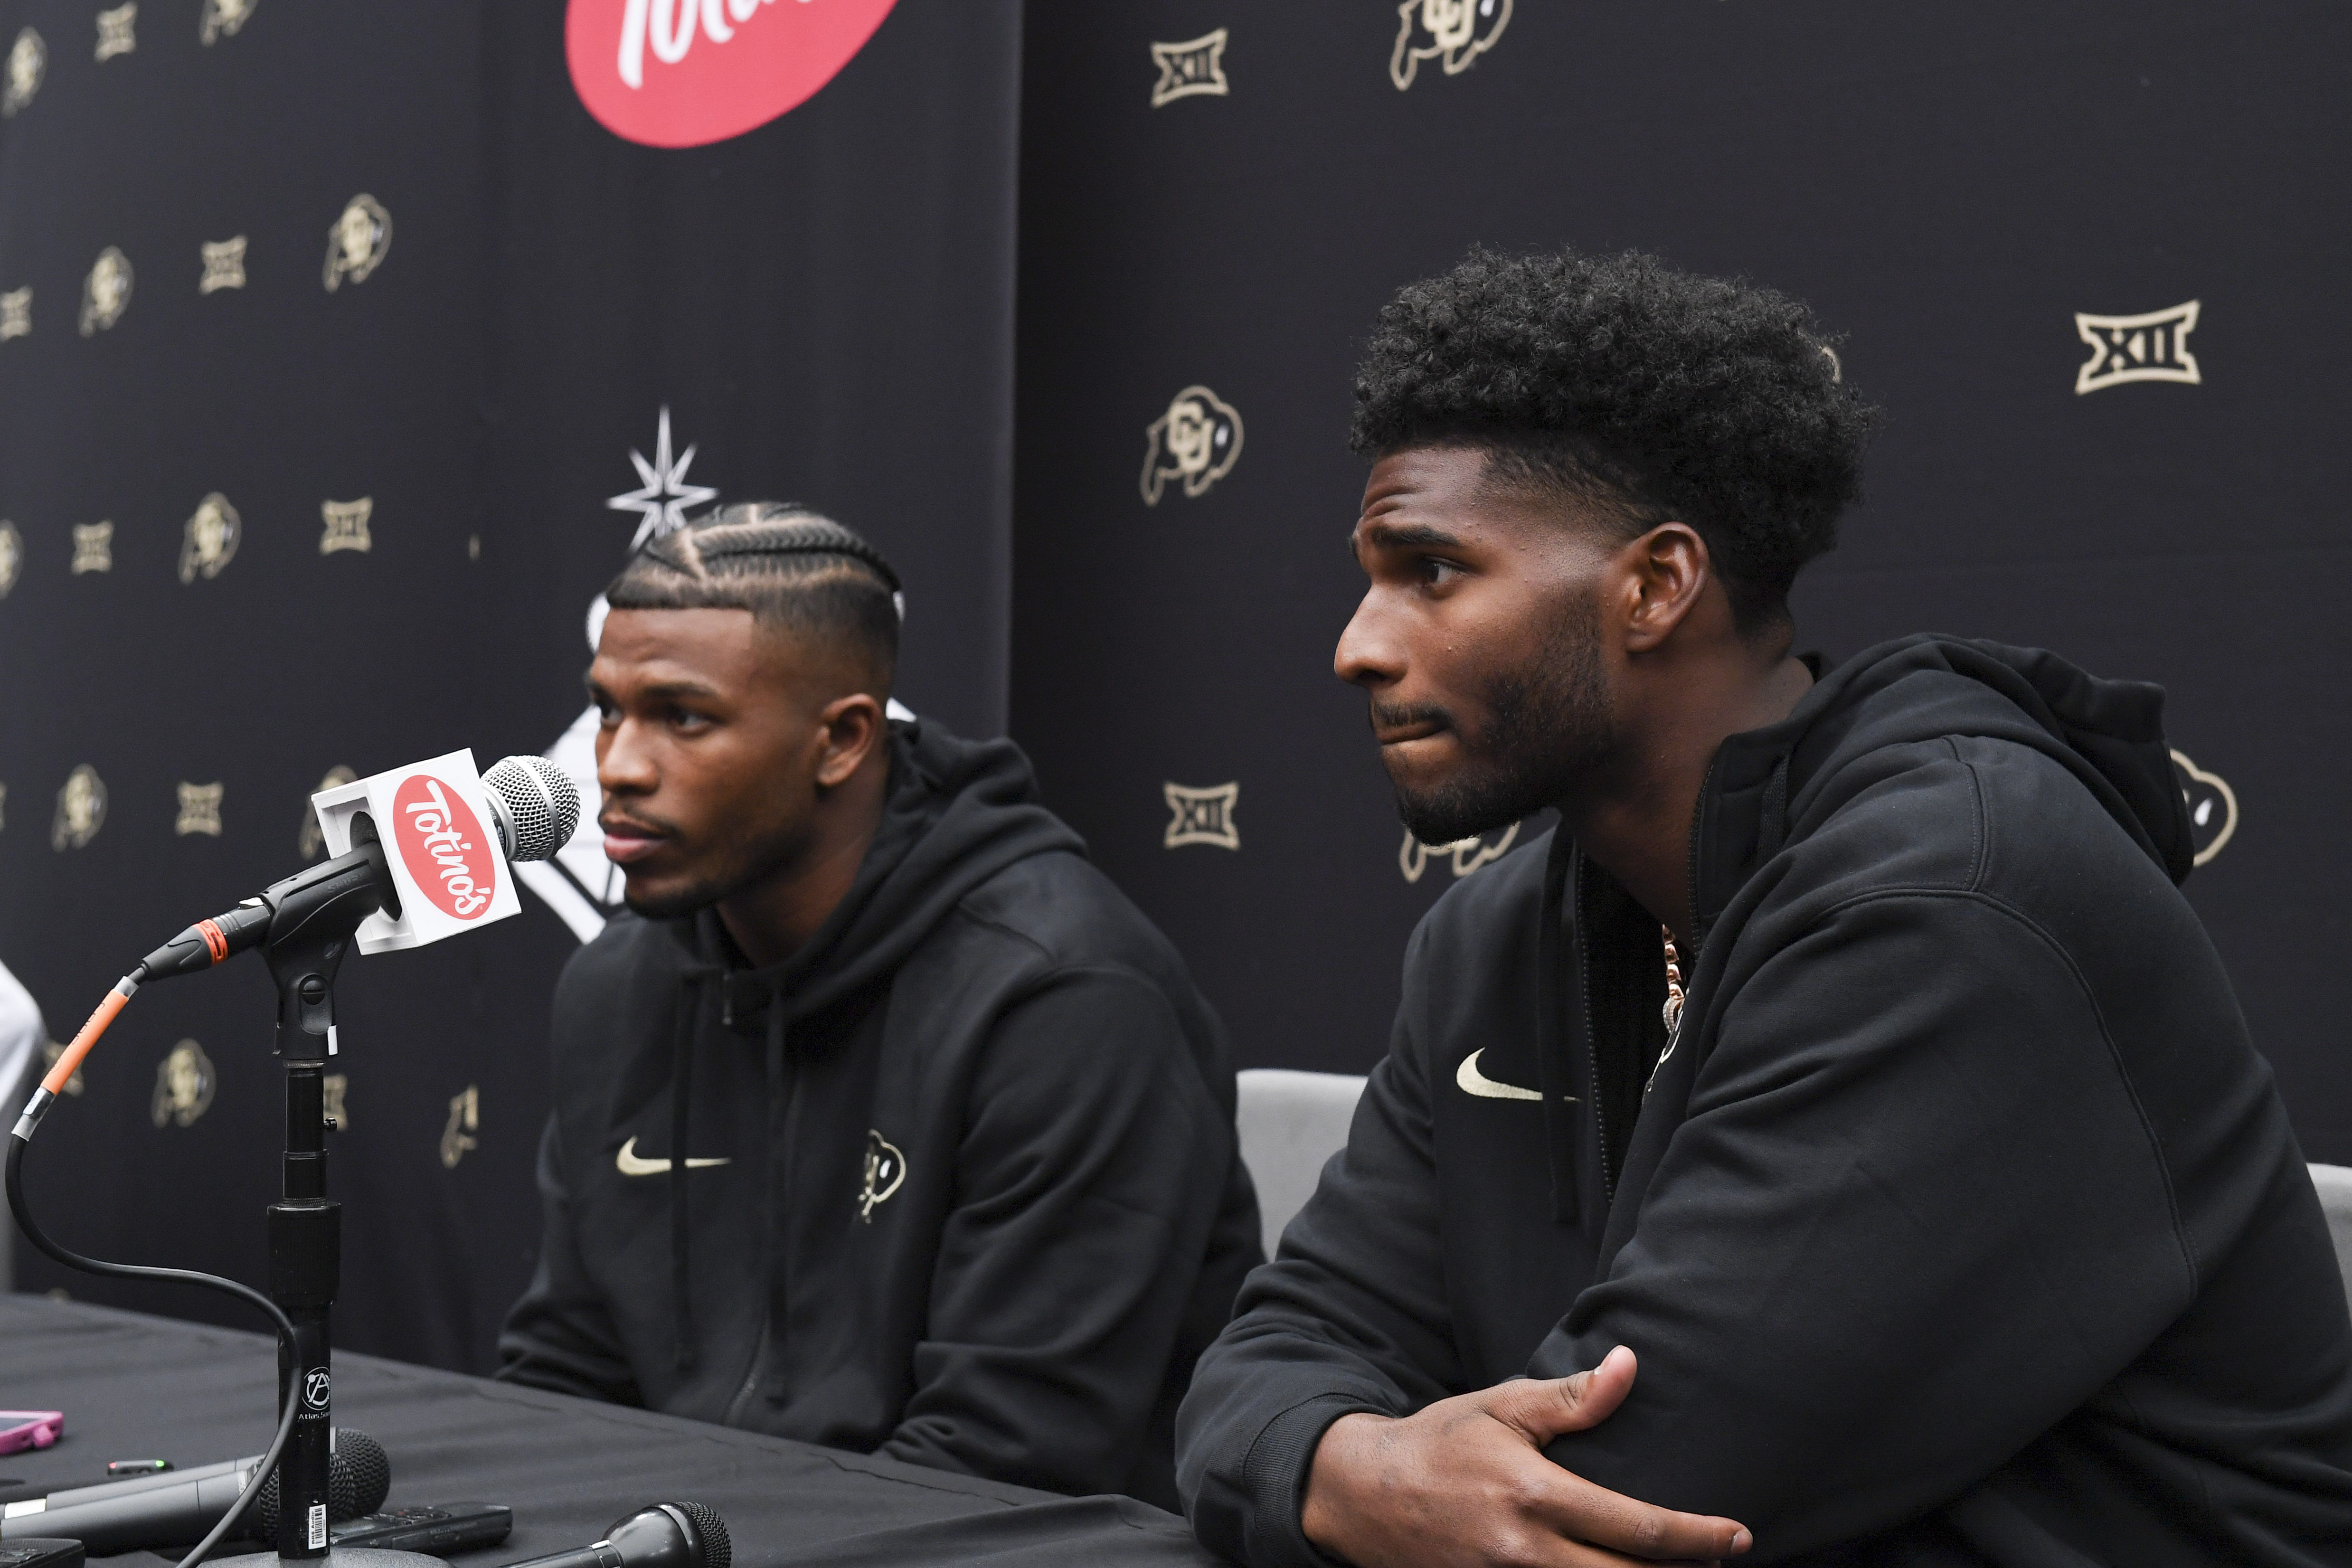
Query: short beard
752	864
1549	723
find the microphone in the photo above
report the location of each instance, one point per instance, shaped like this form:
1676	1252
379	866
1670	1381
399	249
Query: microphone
660	1535
152	1512
533	809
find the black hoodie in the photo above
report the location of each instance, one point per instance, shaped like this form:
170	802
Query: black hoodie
961	1184
1960	1225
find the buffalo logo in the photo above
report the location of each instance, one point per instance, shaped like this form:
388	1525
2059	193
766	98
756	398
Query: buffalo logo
1202	816
224	264
1468	854
1197	440
2212	806
200	807
28	58
184	1086
449	856
458	1134
885	1169
81	809
114	34
106	292
208	542
337	1087
93	547
356	241
1194	68
222	18
15	313
310	840
2154	347
12	556
1453	32
346	525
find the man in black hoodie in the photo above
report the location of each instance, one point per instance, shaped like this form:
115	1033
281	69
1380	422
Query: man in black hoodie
886	1122
1842	1126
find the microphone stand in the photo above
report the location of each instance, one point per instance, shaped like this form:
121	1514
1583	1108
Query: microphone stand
309	935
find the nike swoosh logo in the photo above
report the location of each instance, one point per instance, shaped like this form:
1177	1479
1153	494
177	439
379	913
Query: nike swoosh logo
1472	1081
631	1166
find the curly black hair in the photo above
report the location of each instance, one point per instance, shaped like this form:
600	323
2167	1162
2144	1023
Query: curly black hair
1660	395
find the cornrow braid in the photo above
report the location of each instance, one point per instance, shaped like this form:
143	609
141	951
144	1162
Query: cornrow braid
791	567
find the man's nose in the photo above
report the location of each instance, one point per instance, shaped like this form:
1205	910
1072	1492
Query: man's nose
1369	654
623	765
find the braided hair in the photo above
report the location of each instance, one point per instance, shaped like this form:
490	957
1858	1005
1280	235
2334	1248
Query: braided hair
791	567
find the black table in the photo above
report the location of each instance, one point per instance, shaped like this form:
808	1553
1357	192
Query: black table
134	1386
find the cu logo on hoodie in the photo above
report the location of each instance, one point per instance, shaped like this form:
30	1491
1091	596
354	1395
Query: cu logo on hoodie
885	1169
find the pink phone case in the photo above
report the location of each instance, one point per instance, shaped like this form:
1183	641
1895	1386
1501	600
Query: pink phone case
23	1429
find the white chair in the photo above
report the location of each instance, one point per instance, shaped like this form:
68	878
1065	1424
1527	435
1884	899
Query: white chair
2334	1184
1290	1124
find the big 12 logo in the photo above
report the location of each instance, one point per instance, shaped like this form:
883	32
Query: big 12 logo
683	73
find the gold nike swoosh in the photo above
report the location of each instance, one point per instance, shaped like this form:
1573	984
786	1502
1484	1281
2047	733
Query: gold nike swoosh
631	1166
1472	1081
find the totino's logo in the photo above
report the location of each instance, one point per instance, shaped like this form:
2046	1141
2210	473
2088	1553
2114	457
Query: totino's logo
447	854
681	73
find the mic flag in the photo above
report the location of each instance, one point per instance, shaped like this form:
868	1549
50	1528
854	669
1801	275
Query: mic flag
441	849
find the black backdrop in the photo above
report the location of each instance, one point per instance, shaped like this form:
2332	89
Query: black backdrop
828	308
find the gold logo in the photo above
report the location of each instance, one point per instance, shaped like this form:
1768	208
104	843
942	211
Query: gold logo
357	241
199	810
310	840
93	547
347	525
1469	854
114	36
1198	440
222	18
1202	816
50	1055
12	556
338	1090
2212	808
208	542
224	264
1194	68
2154	347
15	313
885	1169
29	59
457	1138
184	1086
106	292
1453	32
81	809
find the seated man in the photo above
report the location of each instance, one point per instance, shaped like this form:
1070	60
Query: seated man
887	1122
1847	1057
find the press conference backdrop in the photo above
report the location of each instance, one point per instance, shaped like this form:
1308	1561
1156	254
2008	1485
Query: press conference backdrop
344	351
418	315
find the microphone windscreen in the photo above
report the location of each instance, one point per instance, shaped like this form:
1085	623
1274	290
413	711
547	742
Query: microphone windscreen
359	1477
542	807
716	1549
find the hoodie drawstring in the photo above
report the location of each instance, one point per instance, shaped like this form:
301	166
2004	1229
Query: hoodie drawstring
779	1197
689	1009
1560	1107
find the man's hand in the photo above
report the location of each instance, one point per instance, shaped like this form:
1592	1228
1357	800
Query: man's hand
1465	1484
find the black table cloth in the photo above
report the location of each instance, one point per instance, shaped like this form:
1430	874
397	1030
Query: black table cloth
133	1387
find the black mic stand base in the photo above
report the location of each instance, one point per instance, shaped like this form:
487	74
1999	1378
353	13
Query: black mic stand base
334	1557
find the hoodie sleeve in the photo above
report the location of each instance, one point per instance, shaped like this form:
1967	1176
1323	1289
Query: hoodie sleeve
1088	1181
560	1336
1915	1216
1350	1316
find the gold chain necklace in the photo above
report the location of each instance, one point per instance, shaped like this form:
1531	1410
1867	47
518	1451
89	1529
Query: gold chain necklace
1673	1009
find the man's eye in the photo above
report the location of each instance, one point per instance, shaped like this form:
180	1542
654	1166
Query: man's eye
1436	573
688	720
607	714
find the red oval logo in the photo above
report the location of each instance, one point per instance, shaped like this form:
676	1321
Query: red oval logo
449	856
682	73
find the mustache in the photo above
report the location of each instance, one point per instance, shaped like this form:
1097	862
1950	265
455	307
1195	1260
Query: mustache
1405	715
610	820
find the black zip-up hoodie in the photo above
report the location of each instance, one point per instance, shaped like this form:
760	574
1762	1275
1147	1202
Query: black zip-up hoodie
1960	1224
960	1183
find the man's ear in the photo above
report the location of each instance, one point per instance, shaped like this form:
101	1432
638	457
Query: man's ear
1662	574
852	726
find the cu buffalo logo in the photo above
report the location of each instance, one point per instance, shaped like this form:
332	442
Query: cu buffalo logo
683	73
449	856
1197	441
1453	33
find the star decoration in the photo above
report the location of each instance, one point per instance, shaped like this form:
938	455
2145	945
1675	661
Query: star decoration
661	504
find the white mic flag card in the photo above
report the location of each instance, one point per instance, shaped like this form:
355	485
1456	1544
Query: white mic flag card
440	843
